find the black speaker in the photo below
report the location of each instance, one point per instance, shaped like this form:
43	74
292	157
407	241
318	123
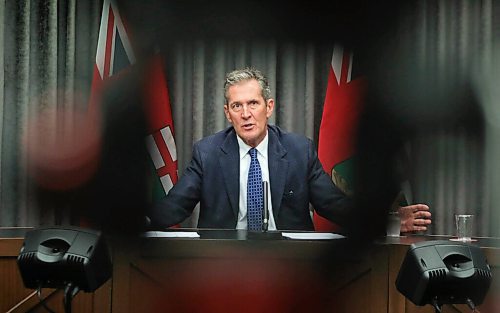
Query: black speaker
443	272
55	257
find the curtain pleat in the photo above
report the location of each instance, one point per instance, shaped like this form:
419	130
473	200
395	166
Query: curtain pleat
4	212
16	92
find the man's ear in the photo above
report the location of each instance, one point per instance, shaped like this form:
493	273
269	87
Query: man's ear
226	112
269	107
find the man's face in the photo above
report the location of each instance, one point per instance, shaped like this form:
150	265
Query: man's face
248	112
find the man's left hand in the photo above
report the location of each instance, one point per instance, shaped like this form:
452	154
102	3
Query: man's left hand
414	217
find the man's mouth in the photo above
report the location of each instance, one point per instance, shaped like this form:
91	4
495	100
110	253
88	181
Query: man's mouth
247	126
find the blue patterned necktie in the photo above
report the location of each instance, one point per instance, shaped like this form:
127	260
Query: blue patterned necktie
254	193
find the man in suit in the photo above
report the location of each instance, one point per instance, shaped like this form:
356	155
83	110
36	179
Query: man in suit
218	173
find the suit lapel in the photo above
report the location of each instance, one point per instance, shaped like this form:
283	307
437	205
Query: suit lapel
229	161
278	169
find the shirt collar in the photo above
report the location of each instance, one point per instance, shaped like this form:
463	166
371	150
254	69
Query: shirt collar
261	147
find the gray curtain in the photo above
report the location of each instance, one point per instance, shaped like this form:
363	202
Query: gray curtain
456	168
47	51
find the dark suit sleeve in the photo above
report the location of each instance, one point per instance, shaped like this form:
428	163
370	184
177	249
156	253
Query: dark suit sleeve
328	200
182	198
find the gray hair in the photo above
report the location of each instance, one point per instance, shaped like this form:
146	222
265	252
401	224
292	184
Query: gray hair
237	76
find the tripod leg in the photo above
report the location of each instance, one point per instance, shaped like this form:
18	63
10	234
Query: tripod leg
69	293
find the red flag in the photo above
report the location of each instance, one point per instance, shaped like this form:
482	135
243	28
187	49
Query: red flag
160	141
337	134
114	55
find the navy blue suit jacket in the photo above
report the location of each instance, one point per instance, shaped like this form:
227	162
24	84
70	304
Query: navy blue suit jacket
212	178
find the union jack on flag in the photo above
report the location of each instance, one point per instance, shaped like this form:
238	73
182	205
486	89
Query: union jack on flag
114	51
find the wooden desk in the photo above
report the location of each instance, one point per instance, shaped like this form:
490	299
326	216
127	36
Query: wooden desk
232	271
225	271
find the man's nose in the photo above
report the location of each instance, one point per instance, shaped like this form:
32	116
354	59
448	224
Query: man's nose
245	112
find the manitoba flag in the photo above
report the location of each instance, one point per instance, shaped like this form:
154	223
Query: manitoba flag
337	134
160	141
114	56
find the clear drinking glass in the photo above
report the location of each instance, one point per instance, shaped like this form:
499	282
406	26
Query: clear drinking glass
393	224
464	224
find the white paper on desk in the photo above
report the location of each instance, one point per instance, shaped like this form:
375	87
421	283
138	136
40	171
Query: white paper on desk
171	234
312	236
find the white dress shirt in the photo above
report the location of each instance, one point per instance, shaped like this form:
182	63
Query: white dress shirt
244	167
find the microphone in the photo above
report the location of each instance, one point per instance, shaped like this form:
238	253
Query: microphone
265	209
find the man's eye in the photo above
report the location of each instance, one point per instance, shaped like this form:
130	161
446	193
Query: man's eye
236	105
